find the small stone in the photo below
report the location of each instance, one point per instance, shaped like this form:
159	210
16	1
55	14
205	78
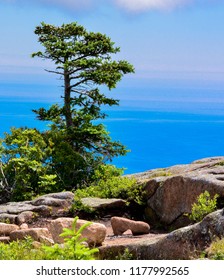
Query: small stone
23	226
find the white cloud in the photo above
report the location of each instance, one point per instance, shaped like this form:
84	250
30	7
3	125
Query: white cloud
142	5
128	5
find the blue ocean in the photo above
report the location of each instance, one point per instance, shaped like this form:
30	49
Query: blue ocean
160	127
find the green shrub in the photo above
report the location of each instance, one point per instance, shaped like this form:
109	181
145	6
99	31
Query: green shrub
106	171
25	171
34	163
204	205
21	250
111	186
114	187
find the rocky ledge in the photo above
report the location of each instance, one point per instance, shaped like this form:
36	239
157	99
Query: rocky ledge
170	193
182	244
50	205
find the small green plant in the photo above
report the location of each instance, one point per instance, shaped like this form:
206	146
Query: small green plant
5	220
161	173
216	250
74	247
78	206
126	255
204	205
221	163
123	254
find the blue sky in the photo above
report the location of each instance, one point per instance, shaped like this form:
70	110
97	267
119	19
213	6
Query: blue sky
176	47
171	43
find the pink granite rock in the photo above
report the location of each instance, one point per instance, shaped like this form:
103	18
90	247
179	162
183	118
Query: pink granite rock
120	225
95	233
5	229
37	234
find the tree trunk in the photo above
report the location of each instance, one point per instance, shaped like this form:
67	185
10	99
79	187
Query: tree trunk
67	100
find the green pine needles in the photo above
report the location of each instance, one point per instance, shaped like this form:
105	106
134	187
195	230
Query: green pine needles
65	156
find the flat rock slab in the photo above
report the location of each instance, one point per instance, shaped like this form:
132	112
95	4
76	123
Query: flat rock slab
63	199
16	207
19	207
103	203
37	234
128	239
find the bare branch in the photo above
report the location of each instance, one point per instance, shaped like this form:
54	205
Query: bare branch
79	83
53	71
